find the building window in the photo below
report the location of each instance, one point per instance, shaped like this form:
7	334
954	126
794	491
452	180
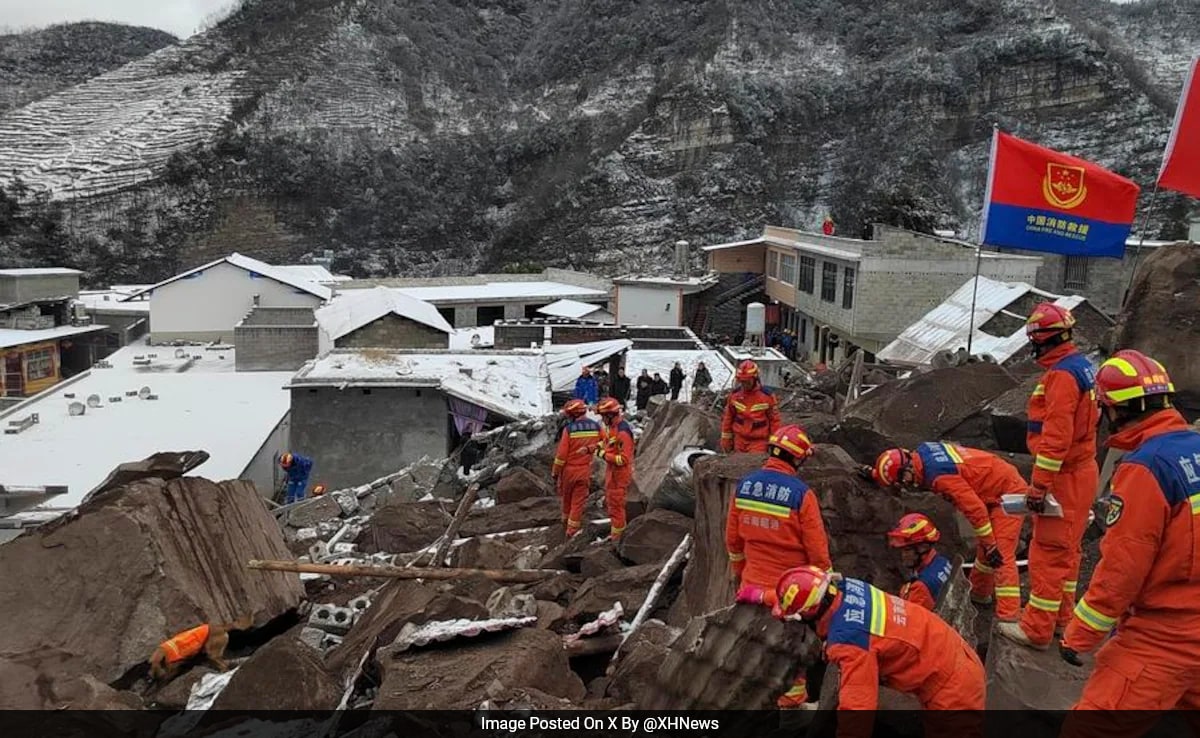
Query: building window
848	288
787	268
39	364
828	281
773	264
1075	273
808	273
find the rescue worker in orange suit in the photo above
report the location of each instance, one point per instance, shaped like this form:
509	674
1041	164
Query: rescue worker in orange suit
751	413
927	570
973	481
1147	583
774	523
1062	438
617	449
572	470
876	638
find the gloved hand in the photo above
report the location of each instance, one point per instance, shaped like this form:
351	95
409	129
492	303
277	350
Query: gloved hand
1068	654
1035	500
992	557
867	473
751	594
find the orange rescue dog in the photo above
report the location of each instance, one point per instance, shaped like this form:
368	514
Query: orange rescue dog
211	640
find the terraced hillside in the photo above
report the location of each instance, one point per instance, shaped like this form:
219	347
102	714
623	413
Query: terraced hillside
439	136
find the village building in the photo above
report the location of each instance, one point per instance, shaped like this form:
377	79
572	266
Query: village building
659	301
583	312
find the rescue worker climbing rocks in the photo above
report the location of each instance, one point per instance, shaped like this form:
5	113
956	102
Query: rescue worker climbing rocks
572	470
298	467
973	481
876	638
927	571
1147	583
774	523
617	449
1062	438
751	413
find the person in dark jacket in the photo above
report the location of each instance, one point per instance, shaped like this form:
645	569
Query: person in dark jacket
644	384
676	381
658	386
621	386
701	380
587	388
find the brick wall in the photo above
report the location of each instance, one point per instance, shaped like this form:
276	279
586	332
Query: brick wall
262	348
749	258
1107	279
394	331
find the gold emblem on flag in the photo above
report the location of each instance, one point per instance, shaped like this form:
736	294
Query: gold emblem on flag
1063	186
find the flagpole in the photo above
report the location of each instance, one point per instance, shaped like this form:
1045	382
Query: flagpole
974	297
1137	252
987	198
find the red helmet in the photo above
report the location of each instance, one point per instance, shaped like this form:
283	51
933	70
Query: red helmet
285	461
912	529
800	592
1131	375
889	467
575	408
1048	321
746	371
793	441
609	406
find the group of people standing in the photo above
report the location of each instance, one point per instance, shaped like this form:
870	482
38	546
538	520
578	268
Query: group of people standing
592	385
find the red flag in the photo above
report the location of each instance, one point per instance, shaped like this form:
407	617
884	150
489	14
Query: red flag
1181	162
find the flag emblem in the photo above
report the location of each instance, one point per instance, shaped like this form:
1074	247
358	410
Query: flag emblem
1063	186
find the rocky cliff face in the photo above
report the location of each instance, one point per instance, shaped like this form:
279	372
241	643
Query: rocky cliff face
443	136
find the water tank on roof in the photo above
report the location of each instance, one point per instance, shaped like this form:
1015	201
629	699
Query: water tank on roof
756	318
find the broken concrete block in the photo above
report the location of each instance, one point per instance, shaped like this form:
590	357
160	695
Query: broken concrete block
150	559
302	679
628	586
653	537
318	551
313	637
343	548
346	501
360	603
305	534
521	484
528	658
331	619
506	603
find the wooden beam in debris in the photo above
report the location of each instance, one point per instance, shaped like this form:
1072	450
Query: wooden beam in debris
464	508
504	576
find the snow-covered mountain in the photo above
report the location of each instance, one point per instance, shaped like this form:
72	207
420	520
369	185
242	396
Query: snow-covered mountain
436	136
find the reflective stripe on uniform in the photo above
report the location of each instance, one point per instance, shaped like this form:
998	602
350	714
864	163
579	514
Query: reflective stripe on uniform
1012	592
1039	390
759	406
878	612
1045	462
1093	618
1041	603
984	530
952	453
1070	587
736	556
983	568
779	511
727	435
797	690
1195	500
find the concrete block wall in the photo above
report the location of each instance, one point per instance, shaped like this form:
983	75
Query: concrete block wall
262	348
37	286
358	434
394	331
1107	279
289	316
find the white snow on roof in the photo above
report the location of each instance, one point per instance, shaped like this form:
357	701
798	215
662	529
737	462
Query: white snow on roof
514	384
572	309
112	301
945	327
734	244
283	276
662	361
312	273
353	309
740	353
566	360
706	280
15	337
462	338
38	272
530	291
201	405
853	253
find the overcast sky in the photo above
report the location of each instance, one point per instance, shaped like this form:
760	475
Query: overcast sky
180	17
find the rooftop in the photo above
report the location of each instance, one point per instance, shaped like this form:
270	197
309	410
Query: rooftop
14	337
572	309
697	283
498	291
312	273
945	328
741	353
39	272
353	309
567	360
514	384
111	300
202	405
254	266
464	338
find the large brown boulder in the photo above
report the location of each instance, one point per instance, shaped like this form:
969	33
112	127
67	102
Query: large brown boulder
1160	317
24	687
461	676
521	484
673	427
534	512
654	536
628	586
636	672
285	674
99	590
1020	678
404	527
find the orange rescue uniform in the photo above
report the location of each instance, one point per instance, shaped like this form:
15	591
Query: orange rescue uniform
876	638
618	451
185	645
974	481
749	420
1062	438
573	469
924	586
1147	585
